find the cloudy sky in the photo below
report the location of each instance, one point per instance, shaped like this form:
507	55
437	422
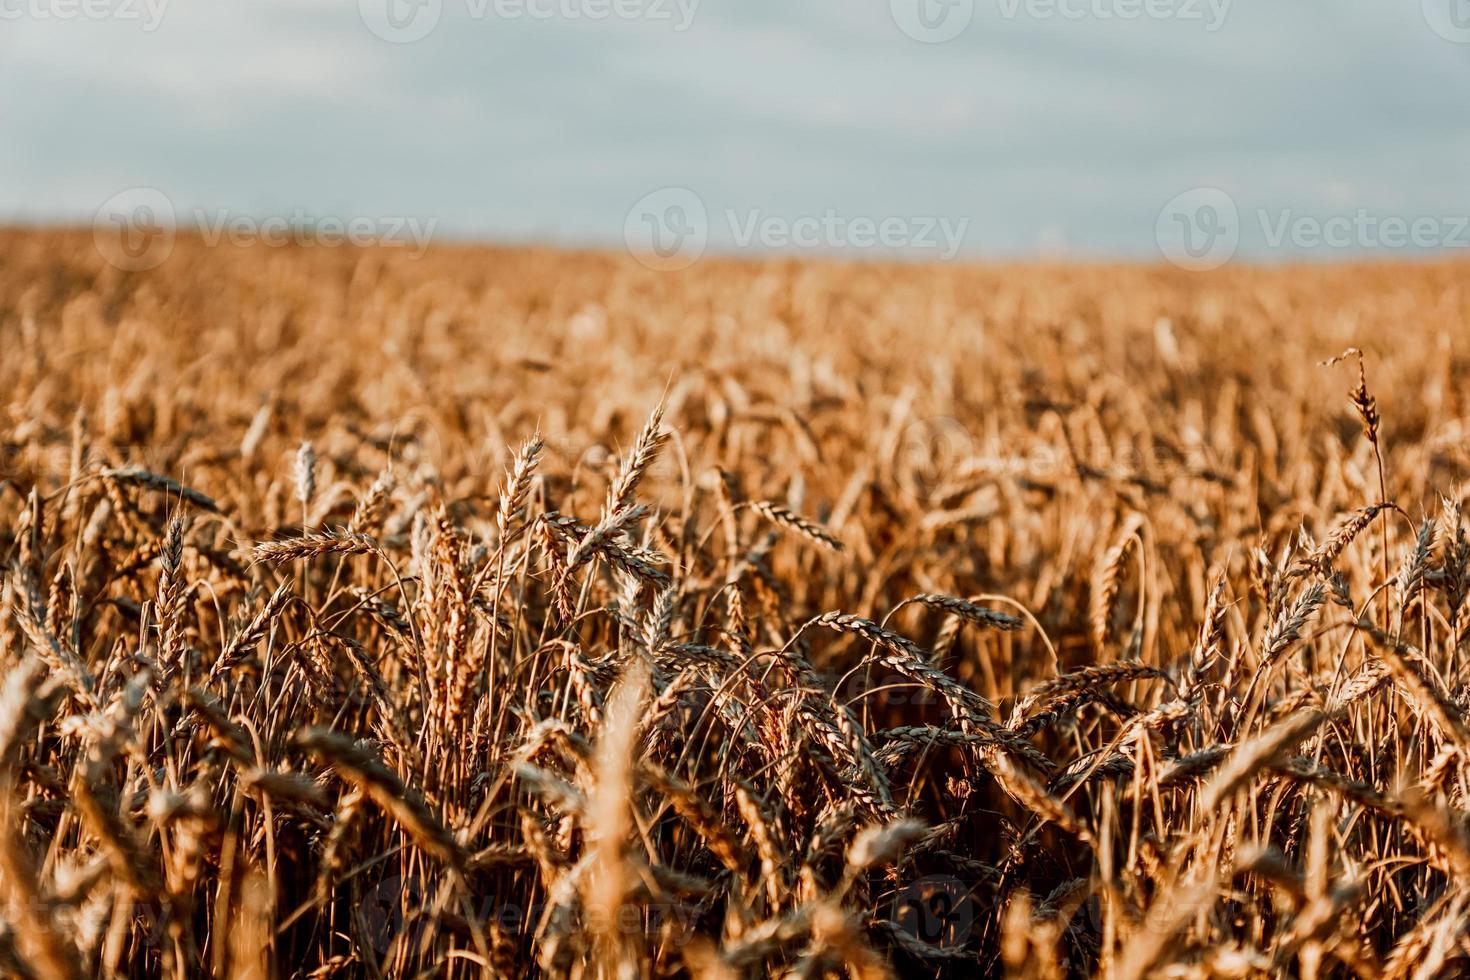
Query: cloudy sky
1020	127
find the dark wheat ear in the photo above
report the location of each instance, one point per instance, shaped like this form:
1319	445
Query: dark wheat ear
970	612
810	530
138	477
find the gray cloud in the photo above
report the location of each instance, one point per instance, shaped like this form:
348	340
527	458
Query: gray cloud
1036	129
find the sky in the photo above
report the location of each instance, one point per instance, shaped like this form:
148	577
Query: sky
934	129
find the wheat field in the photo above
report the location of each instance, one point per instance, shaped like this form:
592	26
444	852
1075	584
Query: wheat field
510	612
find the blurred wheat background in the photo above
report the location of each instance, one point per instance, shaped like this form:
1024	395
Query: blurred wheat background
516	612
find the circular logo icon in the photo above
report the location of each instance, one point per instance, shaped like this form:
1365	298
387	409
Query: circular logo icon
935	909
930	452
134	230
400	21
668	229
1199	230
1450	19
383	909
932	21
